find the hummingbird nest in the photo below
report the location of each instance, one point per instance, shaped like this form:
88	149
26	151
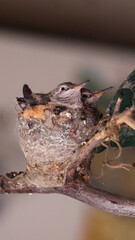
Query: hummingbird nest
51	136
57	129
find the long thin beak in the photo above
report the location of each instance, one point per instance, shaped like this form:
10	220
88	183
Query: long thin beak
78	87
100	93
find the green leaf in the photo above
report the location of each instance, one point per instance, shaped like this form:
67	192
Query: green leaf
127	92
100	149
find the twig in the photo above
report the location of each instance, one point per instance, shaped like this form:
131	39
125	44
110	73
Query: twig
125	166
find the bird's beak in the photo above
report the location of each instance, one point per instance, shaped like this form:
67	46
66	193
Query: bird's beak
78	87
100	93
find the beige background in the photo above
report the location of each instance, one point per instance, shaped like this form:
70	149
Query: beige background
43	63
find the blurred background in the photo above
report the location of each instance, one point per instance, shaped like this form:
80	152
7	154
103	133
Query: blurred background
44	43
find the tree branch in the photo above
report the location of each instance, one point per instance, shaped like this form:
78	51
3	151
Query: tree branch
79	190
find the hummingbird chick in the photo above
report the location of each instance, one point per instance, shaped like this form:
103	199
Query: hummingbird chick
90	98
68	94
65	94
31	99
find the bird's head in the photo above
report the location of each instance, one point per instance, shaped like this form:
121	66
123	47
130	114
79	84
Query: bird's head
68	94
90	98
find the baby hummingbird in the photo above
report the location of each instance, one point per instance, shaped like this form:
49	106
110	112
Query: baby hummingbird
65	94
68	94
90	98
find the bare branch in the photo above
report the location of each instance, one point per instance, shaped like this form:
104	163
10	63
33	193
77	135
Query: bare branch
78	190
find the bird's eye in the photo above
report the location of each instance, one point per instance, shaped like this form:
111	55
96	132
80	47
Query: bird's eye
84	96
63	89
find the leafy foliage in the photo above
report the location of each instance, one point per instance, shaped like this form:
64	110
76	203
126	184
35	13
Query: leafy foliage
127	93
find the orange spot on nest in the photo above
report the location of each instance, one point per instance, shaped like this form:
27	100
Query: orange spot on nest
62	119
36	112
56	166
